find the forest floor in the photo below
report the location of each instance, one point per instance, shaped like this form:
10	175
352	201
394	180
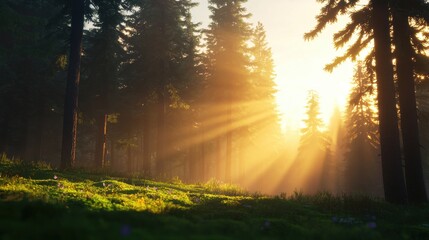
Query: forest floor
37	202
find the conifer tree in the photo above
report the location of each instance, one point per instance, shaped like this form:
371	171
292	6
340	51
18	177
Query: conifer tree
101	68
68	151
370	22
314	149
228	76
161	50
361	140
33	36
402	39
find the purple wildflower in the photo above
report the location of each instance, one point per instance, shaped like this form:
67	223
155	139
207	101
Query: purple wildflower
371	225
125	230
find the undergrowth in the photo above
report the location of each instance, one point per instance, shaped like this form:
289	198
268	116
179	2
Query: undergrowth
38	202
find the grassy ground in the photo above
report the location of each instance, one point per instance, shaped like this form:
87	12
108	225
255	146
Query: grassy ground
37	202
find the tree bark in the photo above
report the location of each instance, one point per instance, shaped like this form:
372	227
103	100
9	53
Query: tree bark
146	144
160	142
162	94
100	142
407	103
35	128
228	160
129	159
68	151
203	155
393	179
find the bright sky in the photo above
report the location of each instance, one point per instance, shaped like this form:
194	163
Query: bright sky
299	63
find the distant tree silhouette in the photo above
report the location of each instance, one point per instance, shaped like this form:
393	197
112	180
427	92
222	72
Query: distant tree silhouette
160	67
313	157
31	62
262	129
362	141
226	50
101	65
336	131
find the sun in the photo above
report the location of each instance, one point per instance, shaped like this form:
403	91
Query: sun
291	97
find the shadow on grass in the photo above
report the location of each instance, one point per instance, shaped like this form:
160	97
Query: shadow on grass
79	206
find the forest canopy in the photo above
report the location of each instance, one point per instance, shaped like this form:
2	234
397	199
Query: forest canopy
138	87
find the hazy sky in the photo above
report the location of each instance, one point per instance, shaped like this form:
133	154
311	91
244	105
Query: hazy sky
299	63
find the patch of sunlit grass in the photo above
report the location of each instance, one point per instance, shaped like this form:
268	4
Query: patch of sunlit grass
47	204
217	187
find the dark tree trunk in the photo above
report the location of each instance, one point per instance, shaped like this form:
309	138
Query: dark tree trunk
162	75
35	128
129	159
100	142
112	156
160	142
407	103
102	104
38	134
146	144
393	178
68	151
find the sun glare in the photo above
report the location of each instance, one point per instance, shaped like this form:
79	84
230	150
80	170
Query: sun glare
299	68
333	89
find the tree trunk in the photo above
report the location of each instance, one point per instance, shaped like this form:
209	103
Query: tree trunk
68	151
160	141
33	143
146	144
407	103
129	159
393	178
112	156
162	94
100	142
203	155
218	163
228	160
38	134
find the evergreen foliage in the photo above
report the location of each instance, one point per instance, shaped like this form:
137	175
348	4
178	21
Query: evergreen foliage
362	165
370	22
313	162
228	77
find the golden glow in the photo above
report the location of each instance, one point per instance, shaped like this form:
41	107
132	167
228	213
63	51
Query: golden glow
299	67
298	64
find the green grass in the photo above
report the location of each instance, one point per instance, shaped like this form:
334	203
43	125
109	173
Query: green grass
37	202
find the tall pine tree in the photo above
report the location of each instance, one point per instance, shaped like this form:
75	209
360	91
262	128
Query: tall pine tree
68	151
102	63
226	48
371	22
161	47
362	141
